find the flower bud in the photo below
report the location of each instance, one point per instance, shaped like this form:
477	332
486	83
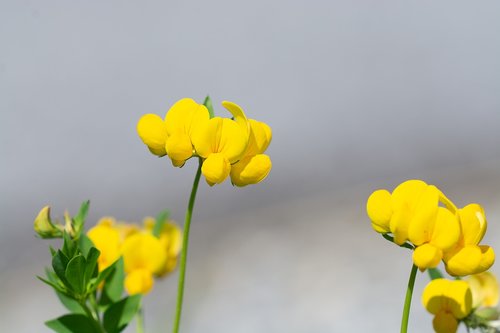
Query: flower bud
43	225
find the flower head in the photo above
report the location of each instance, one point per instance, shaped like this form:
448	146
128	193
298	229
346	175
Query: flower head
414	212
449	302
485	289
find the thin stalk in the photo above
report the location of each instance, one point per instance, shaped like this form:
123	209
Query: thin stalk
92	316
409	293
140	320
185	243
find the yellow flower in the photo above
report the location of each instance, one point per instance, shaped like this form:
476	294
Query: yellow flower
107	240
139	281
449	301
485	289
468	257
254	166
221	142
413	213
171	240
173	136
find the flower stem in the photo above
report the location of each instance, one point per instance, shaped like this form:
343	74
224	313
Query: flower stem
409	293
140	320
185	241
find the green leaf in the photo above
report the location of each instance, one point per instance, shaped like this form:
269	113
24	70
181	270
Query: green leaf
113	287
75	274
118	315
79	219
434	273
70	304
85	244
72	323
54	285
208	103
59	264
160	222
91	265
69	246
52	251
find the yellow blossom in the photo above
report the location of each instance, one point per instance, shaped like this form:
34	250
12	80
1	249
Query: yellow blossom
171	239
221	142
173	136
254	166
449	302
485	289
107	240
468	257
413	213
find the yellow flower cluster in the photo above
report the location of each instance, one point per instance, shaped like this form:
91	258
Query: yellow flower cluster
449	301
452	301
145	256
421	214
229	147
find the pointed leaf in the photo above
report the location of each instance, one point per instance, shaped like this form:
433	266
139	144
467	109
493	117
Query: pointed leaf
85	244
118	315
72	323
160	222
91	265
59	264
69	246
79	219
75	274
113	287
208	103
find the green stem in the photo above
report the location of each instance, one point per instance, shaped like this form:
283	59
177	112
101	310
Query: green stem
185	240
93	316
140	320
409	293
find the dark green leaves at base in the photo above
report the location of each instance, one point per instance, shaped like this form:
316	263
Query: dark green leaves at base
118	315
72	323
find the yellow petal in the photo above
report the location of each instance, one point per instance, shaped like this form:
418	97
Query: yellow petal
239	116
487	258
446	231
220	135
153	132
260	138
399	224
408	193
379	210
186	116
444	322
460	298
143	250
485	289
432	296
107	240
250	170
424	216
215	168
473	223
464	262
179	147
427	256
138	281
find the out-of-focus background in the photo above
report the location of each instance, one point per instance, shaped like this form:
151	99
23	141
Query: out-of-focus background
360	95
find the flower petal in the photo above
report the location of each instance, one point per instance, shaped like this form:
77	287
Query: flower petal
427	256
179	147
250	170
444	322
446	231
379	210
464	262
460	298
143	250
215	168
139	281
487	258
239	116
153	132
473	223
432	296
186	116
424	217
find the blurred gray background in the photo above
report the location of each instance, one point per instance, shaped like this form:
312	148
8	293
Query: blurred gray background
360	95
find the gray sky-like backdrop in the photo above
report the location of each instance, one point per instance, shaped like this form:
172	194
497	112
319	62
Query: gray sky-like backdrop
360	95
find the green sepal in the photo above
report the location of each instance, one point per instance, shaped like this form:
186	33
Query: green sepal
208	103
79	219
161	218
75	274
113	287
72	323
434	273
119	314
391	239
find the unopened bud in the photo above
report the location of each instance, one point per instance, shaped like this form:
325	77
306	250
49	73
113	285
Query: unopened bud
43	225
